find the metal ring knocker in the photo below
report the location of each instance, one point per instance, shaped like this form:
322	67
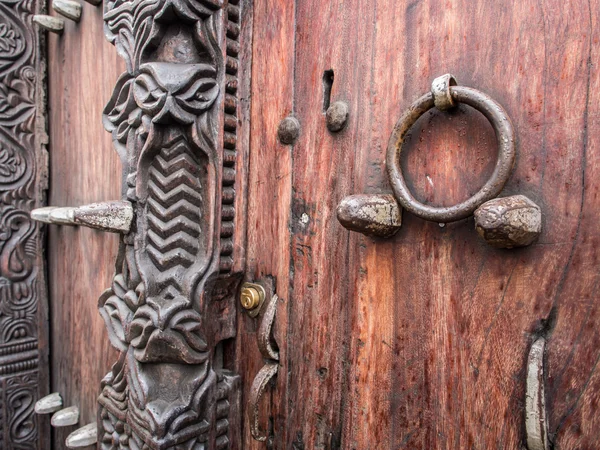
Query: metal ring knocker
444	95
507	222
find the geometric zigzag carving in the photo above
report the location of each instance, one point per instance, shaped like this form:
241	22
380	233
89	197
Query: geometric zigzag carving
172	304
173	231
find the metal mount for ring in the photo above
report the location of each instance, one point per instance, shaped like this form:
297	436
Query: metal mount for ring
503	222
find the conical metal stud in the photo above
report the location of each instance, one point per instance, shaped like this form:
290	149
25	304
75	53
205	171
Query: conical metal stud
49	404
377	215
115	217
53	24
65	417
82	437
69	8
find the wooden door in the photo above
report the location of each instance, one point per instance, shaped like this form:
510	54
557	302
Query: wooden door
422	340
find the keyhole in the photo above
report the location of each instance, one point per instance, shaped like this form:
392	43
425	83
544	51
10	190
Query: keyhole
327	85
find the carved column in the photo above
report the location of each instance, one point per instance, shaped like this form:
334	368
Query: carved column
23	174
171	308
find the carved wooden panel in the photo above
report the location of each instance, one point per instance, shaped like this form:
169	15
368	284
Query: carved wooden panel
23	329
171	307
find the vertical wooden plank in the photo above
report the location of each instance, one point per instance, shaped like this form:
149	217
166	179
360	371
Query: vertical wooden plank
84	168
574	347
269	197
464	354
373	263
332	37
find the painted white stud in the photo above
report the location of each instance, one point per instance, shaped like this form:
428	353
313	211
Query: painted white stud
65	417
83	437
71	9
53	24
49	404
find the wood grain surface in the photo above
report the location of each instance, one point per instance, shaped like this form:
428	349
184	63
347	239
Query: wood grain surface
269	196
416	342
421	341
84	168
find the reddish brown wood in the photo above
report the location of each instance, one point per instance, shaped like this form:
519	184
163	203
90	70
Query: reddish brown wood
269	197
83	68
421	341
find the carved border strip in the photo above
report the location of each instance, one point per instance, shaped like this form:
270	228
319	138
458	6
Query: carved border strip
23	175
230	140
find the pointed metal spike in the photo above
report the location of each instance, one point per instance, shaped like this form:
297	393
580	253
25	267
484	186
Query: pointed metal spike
49	404
114	216
54	215
65	417
42	214
71	9
53	24
82	437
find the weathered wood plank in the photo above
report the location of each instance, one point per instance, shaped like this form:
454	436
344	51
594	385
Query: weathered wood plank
574	349
269	197
439	324
83	69
328	36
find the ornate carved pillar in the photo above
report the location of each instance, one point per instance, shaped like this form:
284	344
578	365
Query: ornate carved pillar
171	308
23	174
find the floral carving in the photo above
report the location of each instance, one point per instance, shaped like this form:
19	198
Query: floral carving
10	40
20	291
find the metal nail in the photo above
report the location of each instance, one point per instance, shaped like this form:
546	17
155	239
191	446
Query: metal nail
289	130
337	116
509	222
372	215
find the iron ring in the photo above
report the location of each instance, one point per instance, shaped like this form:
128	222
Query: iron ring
505	137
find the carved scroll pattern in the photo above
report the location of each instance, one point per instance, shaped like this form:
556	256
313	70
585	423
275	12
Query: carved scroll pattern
171	306
22	136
